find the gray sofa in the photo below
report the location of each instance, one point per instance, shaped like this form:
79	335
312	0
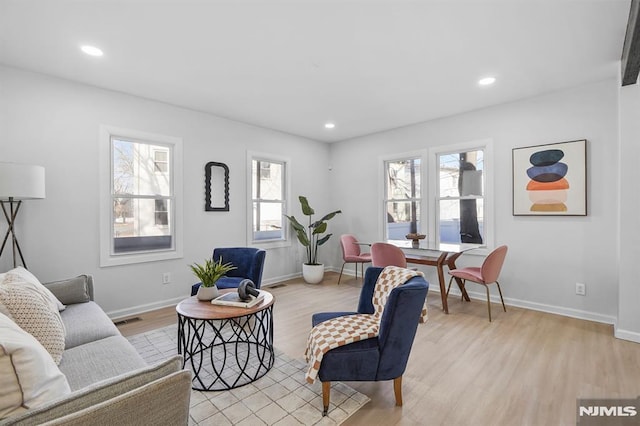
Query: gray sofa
111	384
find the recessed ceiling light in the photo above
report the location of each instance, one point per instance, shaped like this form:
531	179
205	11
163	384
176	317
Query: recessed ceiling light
329	125
487	81
91	50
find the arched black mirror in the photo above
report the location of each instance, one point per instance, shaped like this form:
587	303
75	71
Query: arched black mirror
216	187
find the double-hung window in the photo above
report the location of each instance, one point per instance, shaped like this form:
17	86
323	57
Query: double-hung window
268	181
402	197
140	202
460	200
444	193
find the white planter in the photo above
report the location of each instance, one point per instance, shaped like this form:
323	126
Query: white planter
207	293
312	274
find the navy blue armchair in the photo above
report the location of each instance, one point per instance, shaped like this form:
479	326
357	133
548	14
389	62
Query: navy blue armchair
384	357
248	261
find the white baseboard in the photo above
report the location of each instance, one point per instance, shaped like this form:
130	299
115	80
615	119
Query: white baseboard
277	280
632	336
534	306
139	309
559	310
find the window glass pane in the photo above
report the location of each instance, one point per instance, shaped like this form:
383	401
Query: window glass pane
136	226
403	179
267	218
269	181
162	212
470	165
461	221
135	168
161	164
402	218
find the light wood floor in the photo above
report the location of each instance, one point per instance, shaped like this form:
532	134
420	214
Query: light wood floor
524	368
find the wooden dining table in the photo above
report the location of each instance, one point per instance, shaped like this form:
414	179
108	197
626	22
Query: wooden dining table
438	255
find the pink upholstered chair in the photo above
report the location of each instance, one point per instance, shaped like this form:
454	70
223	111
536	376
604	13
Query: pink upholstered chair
486	274
384	254
351	254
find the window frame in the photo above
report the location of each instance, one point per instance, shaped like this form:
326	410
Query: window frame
486	145
285	240
107	255
429	187
422	155
419	197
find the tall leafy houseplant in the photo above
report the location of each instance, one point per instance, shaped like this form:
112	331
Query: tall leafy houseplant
311	237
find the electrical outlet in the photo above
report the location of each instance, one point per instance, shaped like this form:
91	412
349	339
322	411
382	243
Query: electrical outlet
581	289
166	278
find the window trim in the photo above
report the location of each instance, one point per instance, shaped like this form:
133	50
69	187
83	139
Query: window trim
107	257
382	177
432	201
275	243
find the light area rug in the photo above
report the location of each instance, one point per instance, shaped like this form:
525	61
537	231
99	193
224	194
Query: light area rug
281	397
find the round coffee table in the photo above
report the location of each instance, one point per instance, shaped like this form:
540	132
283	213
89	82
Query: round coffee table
225	346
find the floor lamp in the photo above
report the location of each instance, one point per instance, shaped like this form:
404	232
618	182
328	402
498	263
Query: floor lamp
18	182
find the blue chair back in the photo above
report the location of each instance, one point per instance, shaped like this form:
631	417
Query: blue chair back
399	321
248	261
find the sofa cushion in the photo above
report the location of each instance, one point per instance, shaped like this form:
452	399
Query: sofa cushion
99	392
34	315
86	322
94	361
23	277
72	290
28	375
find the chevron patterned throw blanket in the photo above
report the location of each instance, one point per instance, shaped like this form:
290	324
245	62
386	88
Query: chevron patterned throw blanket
347	329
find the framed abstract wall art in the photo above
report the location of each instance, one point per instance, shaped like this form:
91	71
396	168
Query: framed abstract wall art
550	180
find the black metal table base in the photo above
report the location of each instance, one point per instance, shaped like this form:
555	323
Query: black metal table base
229	353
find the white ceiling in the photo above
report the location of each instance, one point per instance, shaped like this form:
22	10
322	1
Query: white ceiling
292	65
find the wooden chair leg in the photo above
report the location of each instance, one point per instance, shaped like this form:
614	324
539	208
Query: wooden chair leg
488	302
326	394
501	299
340	277
449	287
397	390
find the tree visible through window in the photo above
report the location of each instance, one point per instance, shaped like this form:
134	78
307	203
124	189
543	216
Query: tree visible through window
461	197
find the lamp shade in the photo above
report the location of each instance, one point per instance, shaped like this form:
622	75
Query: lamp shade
21	181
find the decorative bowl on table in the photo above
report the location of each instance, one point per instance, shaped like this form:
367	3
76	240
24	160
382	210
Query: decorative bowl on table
414	237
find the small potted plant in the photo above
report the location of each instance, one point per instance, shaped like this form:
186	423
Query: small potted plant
311	238
209	274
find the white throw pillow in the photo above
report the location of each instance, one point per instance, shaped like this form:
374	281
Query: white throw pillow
32	313
28	375
21	275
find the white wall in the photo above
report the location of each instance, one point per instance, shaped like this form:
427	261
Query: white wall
54	123
547	255
628	326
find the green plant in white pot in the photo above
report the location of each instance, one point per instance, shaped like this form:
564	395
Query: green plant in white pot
209	274
311	237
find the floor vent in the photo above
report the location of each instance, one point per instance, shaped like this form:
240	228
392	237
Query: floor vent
277	286
128	320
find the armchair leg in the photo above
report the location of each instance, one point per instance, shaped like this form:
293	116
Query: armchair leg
397	390
326	394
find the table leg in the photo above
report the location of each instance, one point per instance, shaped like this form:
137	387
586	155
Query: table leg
443	290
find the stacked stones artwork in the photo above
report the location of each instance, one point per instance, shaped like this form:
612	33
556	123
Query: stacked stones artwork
548	188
